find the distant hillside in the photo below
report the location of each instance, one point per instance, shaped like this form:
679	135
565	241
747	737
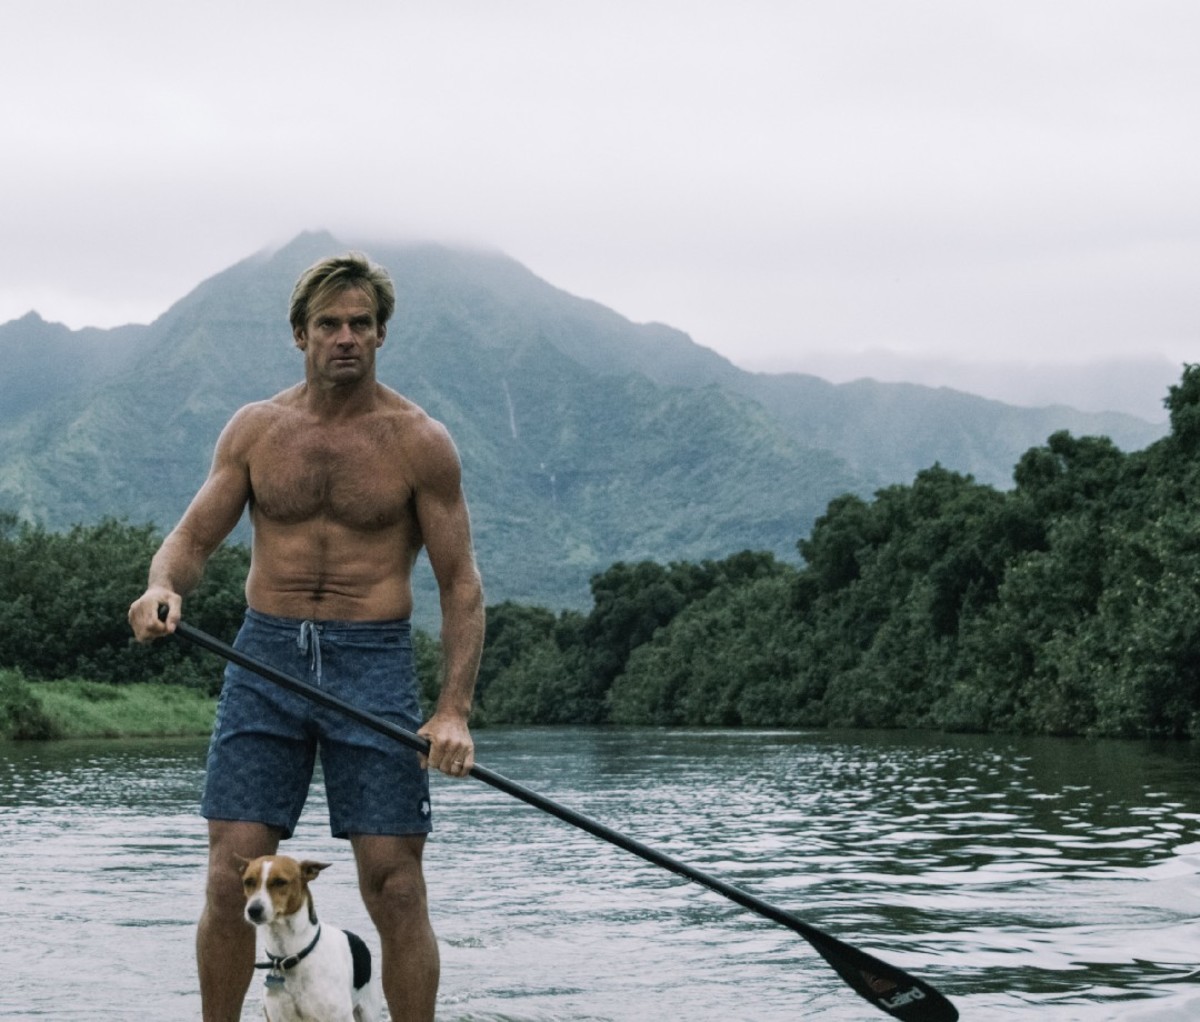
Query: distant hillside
585	438
1135	385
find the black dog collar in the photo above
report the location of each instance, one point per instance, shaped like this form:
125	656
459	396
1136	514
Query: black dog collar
281	963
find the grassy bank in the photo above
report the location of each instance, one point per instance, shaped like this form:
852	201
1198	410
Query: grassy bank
75	708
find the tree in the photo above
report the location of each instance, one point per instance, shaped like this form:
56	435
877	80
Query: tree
64	599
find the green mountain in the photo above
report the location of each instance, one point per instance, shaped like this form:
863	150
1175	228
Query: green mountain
585	439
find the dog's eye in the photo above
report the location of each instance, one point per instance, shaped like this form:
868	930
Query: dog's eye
277	882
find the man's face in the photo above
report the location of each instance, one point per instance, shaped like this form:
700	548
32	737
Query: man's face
340	339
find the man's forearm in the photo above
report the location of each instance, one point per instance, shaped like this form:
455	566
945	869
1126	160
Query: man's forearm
462	645
178	565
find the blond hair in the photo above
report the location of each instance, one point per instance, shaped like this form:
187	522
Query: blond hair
321	282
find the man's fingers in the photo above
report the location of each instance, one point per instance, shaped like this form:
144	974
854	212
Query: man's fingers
451	758
145	614
460	766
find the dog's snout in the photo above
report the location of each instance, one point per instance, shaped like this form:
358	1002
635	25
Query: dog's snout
255	911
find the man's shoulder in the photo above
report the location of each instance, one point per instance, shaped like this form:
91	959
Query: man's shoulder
269	407
406	412
426	439
252	419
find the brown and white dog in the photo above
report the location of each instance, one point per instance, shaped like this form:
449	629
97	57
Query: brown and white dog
314	972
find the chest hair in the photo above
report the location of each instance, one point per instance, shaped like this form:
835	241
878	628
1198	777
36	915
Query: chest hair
358	477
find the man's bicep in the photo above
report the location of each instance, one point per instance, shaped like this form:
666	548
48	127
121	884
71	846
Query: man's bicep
215	510
443	518
220	501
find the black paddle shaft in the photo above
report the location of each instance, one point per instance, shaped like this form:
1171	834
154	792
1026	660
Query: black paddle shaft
887	987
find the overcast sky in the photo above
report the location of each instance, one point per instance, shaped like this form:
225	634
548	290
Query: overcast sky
995	179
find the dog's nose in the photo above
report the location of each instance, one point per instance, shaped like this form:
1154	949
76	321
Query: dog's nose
255	910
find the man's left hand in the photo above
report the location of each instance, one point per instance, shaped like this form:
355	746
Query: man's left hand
451	749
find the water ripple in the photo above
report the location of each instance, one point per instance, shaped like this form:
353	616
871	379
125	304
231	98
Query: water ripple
1050	875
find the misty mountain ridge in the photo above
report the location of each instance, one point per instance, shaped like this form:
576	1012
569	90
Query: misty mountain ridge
1133	385
585	438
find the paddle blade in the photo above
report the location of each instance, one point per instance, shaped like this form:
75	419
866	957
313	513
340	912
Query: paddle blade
888	988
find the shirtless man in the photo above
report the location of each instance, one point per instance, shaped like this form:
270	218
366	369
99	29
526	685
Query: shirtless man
345	481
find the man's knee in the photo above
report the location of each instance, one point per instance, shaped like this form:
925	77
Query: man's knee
390	877
399	890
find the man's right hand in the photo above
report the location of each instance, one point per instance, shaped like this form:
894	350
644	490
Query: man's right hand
143	613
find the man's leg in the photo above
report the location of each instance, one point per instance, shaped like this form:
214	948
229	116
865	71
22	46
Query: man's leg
224	940
393	889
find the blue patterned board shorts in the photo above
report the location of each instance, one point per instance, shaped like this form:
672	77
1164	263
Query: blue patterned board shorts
265	739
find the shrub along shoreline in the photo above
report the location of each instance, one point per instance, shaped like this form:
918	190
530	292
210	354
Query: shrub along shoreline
74	708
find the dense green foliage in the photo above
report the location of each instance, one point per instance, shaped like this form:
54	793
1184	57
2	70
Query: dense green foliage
1069	604
22	714
64	597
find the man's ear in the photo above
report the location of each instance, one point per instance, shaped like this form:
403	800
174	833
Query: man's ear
382	332
300	337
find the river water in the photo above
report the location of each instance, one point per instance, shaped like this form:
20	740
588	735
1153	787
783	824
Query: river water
1050	878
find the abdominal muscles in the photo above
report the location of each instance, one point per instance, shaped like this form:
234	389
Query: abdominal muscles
325	570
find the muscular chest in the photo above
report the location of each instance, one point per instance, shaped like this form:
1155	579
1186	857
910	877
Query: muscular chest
356	477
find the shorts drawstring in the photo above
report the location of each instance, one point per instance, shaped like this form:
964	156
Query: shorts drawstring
309	641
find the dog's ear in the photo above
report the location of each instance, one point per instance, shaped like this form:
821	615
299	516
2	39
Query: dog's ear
310	869
241	862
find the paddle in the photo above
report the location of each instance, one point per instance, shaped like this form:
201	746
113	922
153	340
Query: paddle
888	988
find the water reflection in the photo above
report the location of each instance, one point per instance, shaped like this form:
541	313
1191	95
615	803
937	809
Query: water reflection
1047	875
